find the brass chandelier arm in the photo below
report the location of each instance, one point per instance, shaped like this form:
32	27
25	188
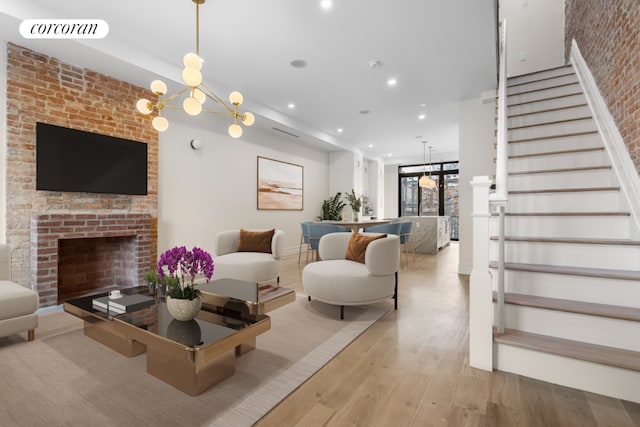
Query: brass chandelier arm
164	104
211	95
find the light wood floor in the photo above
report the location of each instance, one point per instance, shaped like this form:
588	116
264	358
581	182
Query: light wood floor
411	369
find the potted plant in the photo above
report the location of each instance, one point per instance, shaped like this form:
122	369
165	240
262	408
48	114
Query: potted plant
181	266
151	277
355	203
332	207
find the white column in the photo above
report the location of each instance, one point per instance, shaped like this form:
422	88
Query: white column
480	283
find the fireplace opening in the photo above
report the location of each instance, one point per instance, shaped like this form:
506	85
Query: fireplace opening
91	265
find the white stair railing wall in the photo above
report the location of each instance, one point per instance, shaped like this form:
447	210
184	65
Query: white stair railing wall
481	288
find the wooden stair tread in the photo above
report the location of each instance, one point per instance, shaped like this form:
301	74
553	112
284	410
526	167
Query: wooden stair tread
574	349
579	213
553	153
555	122
579	240
547	110
571	306
569	270
533	73
564	190
544	88
580	169
550	98
558	136
544	79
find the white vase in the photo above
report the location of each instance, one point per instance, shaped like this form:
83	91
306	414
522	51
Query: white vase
184	309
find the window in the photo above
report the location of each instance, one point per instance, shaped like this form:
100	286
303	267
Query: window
440	200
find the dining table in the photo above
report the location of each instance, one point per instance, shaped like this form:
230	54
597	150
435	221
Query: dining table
355	226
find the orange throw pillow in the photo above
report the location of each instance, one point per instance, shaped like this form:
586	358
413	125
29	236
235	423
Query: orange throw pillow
255	241
357	246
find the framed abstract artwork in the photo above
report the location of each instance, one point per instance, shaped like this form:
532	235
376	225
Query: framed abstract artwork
280	185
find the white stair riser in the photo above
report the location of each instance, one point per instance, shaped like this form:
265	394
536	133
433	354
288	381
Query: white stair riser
539	75
572	326
586	201
546	104
556	144
548	130
543	94
618	257
601	379
614	227
556	161
598	290
550	116
573	179
514	88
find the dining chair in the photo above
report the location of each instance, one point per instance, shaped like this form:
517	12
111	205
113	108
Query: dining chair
304	239
317	230
405	240
392	228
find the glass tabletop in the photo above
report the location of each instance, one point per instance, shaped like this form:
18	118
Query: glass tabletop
208	327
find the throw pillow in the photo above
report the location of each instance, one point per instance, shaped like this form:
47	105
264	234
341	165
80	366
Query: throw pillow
357	246
255	241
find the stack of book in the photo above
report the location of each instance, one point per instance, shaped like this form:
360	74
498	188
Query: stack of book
124	304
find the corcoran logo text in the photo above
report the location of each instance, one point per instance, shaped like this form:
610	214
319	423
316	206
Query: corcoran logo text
64	29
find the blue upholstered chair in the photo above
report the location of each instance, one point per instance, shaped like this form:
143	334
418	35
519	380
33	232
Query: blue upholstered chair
317	230
304	239
405	240
392	228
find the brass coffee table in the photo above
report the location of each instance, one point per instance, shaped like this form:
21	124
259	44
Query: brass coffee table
191	356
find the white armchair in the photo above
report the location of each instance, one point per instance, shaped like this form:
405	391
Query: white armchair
339	281
18	305
250	266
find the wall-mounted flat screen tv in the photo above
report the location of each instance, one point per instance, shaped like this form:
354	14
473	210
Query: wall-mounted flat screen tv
73	160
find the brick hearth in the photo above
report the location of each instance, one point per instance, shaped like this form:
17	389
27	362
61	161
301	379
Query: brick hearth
127	238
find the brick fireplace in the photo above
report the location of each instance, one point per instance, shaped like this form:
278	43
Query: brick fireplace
37	221
80	254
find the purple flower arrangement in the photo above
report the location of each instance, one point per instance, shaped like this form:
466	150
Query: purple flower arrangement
178	268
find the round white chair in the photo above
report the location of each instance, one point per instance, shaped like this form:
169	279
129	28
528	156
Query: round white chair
339	281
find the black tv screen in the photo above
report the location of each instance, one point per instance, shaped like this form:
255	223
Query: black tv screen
73	160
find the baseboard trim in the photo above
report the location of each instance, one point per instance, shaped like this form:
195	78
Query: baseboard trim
617	149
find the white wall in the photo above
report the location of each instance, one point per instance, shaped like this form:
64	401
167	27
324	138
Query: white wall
341	172
476	158
391	191
535	28
203	192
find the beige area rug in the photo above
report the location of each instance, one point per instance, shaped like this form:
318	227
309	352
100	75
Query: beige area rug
66	379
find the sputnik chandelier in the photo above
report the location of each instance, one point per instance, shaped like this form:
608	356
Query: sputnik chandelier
426	181
198	93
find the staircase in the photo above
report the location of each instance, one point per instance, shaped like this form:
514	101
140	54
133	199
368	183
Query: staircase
572	266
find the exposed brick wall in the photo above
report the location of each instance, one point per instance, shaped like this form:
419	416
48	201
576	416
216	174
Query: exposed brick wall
44	89
607	35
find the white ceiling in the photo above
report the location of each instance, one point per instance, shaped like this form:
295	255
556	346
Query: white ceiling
440	52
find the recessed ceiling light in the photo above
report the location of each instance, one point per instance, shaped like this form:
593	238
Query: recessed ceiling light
422	105
392	82
298	63
326	4
339	130
422	116
370	145
389	155
291	105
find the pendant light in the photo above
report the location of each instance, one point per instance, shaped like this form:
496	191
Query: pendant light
426	181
